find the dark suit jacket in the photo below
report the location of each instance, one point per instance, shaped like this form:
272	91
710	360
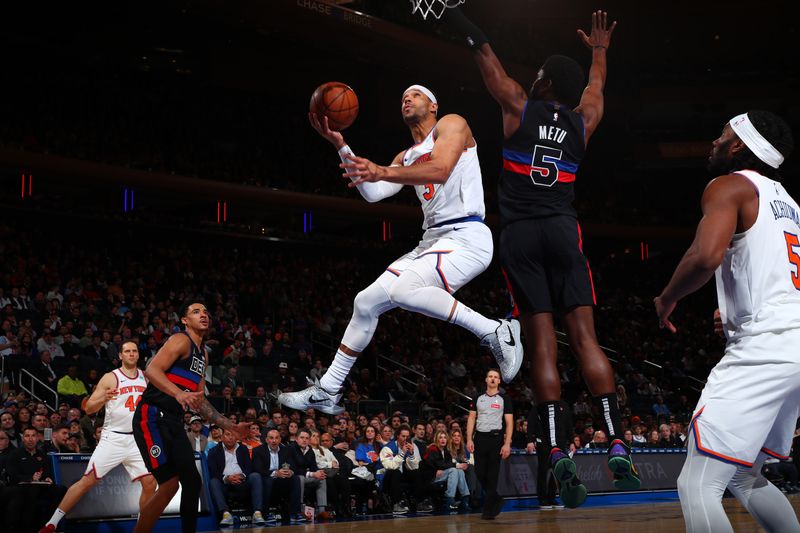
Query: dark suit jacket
306	462
262	456
216	461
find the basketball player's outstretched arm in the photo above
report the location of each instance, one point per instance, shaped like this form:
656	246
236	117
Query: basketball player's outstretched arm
371	192
722	201
214	417
453	135
506	91
598	41
105	391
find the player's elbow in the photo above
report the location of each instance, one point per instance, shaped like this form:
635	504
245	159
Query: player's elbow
709	260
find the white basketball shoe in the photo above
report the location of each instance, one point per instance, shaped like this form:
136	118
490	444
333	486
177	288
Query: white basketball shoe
314	397
506	346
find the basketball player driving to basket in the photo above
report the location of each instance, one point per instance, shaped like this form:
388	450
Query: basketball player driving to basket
443	168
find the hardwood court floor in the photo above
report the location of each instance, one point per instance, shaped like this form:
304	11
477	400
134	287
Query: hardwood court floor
633	518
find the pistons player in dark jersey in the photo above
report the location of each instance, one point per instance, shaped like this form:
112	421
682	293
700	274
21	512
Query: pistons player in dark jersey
546	132
175	384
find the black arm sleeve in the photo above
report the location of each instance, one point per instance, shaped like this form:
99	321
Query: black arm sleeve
472	35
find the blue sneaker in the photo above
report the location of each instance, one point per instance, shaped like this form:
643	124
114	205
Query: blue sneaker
626	477
572	491
297	519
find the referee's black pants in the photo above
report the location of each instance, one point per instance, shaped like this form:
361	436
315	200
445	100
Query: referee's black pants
487	465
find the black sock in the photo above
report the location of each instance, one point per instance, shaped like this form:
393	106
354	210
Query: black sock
609	410
552	430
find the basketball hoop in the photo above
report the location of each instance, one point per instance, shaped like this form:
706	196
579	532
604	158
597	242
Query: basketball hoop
433	7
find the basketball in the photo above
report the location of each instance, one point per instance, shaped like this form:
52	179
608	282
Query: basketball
337	101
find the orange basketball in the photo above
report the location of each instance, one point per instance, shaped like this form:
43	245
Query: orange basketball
337	101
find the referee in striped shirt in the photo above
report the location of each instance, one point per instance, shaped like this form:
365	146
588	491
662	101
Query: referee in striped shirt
489	429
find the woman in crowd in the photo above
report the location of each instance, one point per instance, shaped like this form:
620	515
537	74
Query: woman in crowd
652	441
465	461
438	467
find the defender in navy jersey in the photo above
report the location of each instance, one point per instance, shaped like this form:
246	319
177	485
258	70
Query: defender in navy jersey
176	384
541	249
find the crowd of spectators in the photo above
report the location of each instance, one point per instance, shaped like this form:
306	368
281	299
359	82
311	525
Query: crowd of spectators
66	308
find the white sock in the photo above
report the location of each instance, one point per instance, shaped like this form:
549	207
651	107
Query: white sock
56	518
337	372
473	321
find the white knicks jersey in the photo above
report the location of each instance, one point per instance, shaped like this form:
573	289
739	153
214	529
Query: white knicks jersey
119	411
460	196
758	282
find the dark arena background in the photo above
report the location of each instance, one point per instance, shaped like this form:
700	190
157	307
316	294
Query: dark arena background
152	152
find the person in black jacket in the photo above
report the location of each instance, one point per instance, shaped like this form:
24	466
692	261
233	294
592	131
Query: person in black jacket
278	470
342	479
310	475
438	466
32	493
234	474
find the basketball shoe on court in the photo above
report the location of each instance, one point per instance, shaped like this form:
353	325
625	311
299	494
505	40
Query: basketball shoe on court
314	397
626	477
570	488
506	346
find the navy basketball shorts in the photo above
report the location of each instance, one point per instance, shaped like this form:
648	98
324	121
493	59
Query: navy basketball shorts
162	441
544	265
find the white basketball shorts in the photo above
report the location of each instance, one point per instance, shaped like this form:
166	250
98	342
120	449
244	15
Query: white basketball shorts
114	449
751	401
455	253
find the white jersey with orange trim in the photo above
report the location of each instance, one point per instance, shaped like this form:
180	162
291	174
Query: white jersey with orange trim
459	197
758	282
119	411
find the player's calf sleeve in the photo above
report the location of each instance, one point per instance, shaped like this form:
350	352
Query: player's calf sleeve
609	410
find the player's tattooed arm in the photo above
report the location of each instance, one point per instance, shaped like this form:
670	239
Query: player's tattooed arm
214	417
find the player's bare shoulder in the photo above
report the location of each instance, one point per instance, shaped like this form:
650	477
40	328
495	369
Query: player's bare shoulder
453	125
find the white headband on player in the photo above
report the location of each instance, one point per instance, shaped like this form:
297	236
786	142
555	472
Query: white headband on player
761	147
424	90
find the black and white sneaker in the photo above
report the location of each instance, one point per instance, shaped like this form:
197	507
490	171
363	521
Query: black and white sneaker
314	397
506	346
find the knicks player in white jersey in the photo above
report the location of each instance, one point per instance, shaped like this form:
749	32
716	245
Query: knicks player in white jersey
119	391
751	402
443	168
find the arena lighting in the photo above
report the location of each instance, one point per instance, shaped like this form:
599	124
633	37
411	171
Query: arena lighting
308	222
29	187
645	248
127	202
387	230
222	211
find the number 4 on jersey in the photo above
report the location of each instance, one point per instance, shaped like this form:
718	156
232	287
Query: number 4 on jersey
131	404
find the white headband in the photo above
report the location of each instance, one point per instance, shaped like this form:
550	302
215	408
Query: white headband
749	135
424	90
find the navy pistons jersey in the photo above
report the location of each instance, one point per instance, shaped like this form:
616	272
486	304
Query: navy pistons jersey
185	373
540	161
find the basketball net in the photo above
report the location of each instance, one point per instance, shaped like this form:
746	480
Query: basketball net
433	7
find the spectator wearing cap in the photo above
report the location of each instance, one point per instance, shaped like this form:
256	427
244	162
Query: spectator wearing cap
284	380
195	434
71	388
588	433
